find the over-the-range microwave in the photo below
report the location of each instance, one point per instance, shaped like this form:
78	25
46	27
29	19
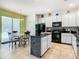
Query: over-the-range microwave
56	24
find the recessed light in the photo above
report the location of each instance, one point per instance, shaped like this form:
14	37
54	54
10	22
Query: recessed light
37	0
71	5
49	10
65	0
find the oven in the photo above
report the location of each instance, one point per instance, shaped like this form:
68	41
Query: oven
56	36
56	32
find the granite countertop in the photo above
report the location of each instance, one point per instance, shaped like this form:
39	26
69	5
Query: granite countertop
43	34
72	34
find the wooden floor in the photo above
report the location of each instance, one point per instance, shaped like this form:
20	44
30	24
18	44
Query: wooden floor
56	51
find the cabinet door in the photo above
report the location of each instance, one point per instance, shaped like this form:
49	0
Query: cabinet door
43	45
48	21
57	18
72	19
74	44
68	39
63	39
49	40
65	20
77	18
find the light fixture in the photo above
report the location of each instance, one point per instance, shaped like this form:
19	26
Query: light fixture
48	10
71	5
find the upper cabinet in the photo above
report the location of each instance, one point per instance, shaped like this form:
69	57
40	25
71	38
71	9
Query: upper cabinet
77	17
69	20
44	18
72	19
57	18
65	20
48	22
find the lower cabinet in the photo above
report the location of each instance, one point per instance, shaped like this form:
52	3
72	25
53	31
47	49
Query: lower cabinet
66	38
74	44
70	39
49	40
45	43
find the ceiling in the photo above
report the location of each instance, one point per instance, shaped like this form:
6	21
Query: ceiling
38	6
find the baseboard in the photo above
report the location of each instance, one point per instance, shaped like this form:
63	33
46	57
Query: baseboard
66	43
5	42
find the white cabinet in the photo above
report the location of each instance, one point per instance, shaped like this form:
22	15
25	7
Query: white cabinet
48	21
49	40
45	43
57	18
65	20
72	19
74	44
77	21
69	20
70	39
66	38
63	38
41	20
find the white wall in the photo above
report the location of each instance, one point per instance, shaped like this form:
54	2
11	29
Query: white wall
31	24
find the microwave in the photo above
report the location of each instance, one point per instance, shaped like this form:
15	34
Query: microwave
56	24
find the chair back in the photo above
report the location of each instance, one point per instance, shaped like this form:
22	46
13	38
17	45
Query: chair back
14	33
10	36
27	34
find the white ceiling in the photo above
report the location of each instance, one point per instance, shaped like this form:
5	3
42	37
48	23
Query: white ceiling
37	6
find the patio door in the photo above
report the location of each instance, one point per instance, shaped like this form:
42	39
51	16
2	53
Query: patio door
16	25
8	25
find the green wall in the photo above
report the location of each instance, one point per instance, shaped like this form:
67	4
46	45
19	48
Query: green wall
0	28
23	24
4	12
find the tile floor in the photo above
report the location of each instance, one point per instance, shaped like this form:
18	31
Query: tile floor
78	52
56	51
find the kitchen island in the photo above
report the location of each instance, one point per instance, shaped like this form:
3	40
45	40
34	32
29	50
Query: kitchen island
40	44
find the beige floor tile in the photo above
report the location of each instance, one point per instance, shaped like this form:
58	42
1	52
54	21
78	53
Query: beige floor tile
56	51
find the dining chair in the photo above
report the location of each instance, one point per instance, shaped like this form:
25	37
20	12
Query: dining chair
24	40
27	33
10	37
13	38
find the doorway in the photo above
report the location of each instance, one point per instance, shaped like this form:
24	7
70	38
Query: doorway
9	24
